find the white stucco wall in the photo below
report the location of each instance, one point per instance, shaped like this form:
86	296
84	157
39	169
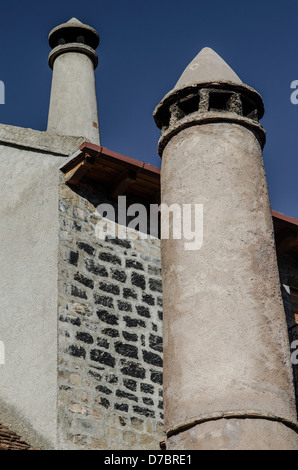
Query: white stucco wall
28	288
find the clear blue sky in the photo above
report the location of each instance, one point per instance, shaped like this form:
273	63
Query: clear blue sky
144	48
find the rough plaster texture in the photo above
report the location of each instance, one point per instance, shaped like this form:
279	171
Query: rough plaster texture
73	104
29	234
236	434
207	66
226	346
32	139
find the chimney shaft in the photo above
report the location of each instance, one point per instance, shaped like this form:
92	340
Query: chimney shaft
227	374
73	103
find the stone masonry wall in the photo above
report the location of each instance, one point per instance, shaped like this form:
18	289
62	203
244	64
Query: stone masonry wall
288	272
110	331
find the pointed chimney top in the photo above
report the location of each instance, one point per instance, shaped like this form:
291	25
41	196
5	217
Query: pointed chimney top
74	20
207	66
208	90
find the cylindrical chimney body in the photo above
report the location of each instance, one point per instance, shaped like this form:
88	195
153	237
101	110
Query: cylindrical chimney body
73	103
227	374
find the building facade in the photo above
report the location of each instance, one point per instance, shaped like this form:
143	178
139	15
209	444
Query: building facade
86	284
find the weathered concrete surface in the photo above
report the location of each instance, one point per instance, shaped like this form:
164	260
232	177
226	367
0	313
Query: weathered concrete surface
225	340
39	140
207	66
236	434
28	293
73	104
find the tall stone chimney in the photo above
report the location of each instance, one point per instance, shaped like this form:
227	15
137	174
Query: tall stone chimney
227	373
73	104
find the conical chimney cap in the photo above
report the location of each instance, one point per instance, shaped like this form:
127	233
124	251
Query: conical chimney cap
73	31
74	20
207	66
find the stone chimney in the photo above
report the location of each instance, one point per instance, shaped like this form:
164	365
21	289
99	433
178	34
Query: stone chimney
73	104
227	374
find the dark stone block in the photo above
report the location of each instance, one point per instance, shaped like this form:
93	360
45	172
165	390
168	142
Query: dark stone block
107	317
86	247
129	336
122	421
121	407
85	337
109	258
132	263
104	300
96	375
74	321
76	292
144	411
104	402
155	285
126	350
138	280
133	369
159	301
96	268
112	379
103	389
103	343
76	351
148	401
148	299
160	405
130	384
102	357
160	315
155	342
151	358
109	288
110	332
143	311
118	275
156	377
132	322
73	257
129	396
129	293
124	306
77	227
84	280
147	388
119	242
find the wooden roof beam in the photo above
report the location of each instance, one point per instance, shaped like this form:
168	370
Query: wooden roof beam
122	183
74	175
